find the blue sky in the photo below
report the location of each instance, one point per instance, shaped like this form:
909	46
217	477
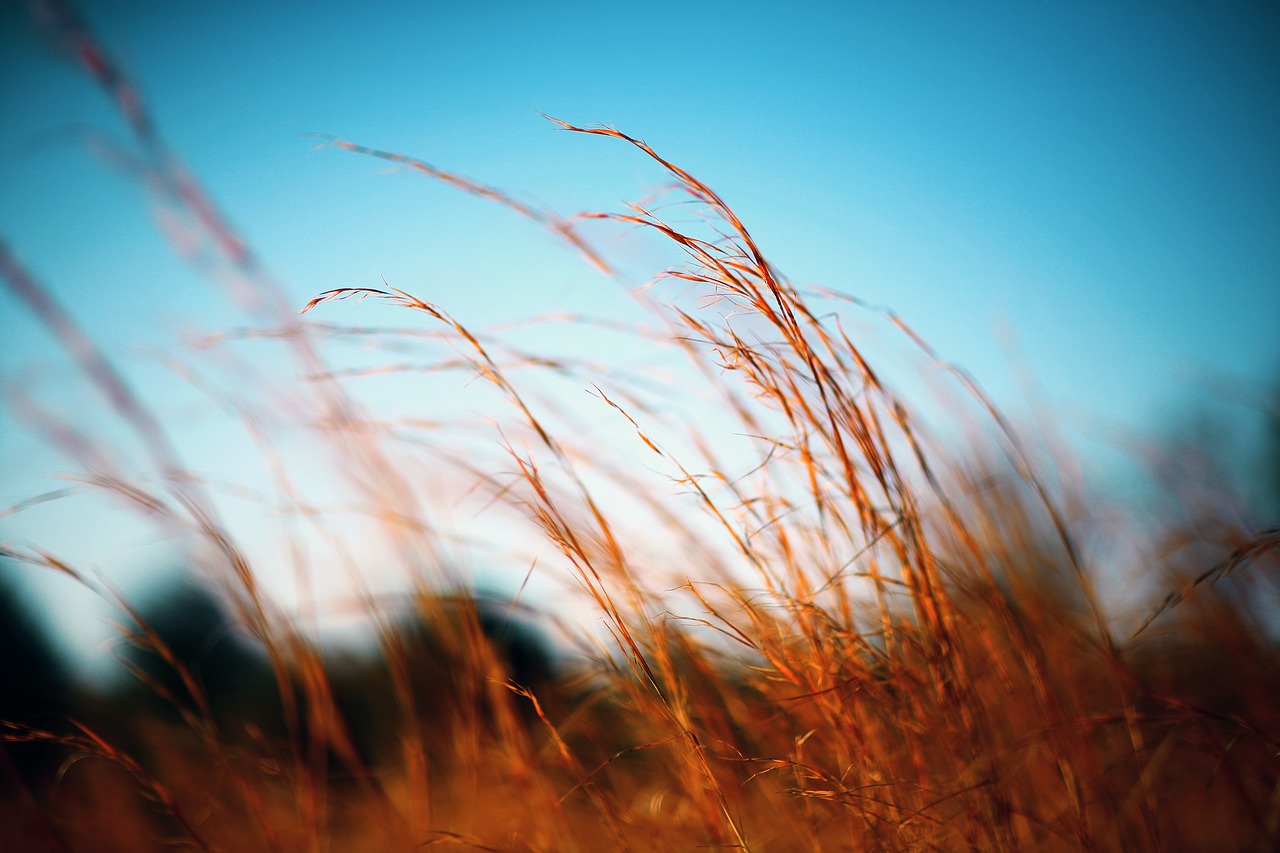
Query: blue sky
1098	179
1102	179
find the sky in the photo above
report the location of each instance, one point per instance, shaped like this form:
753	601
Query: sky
1084	193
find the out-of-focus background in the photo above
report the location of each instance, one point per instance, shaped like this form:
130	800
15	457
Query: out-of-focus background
1080	204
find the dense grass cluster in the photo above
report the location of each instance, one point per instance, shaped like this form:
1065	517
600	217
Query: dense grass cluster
877	639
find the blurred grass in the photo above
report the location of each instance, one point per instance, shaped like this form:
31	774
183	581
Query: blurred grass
875	639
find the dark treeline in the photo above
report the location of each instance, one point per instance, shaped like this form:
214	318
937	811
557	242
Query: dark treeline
183	661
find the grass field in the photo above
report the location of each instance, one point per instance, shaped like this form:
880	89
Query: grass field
875	635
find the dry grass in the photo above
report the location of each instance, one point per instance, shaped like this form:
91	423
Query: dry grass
886	644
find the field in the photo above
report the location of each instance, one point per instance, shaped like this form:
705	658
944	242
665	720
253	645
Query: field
827	624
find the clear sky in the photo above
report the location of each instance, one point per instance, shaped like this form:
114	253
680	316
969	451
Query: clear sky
1100	179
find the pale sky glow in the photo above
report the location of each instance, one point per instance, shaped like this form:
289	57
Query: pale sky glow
1099	179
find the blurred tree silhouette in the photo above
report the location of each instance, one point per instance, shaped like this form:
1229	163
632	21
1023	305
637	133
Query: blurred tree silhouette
184	621
35	690
457	651
35	687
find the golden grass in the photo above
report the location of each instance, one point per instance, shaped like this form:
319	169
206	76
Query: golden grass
885	644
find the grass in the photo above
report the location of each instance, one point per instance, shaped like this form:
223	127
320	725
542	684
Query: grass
871	639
